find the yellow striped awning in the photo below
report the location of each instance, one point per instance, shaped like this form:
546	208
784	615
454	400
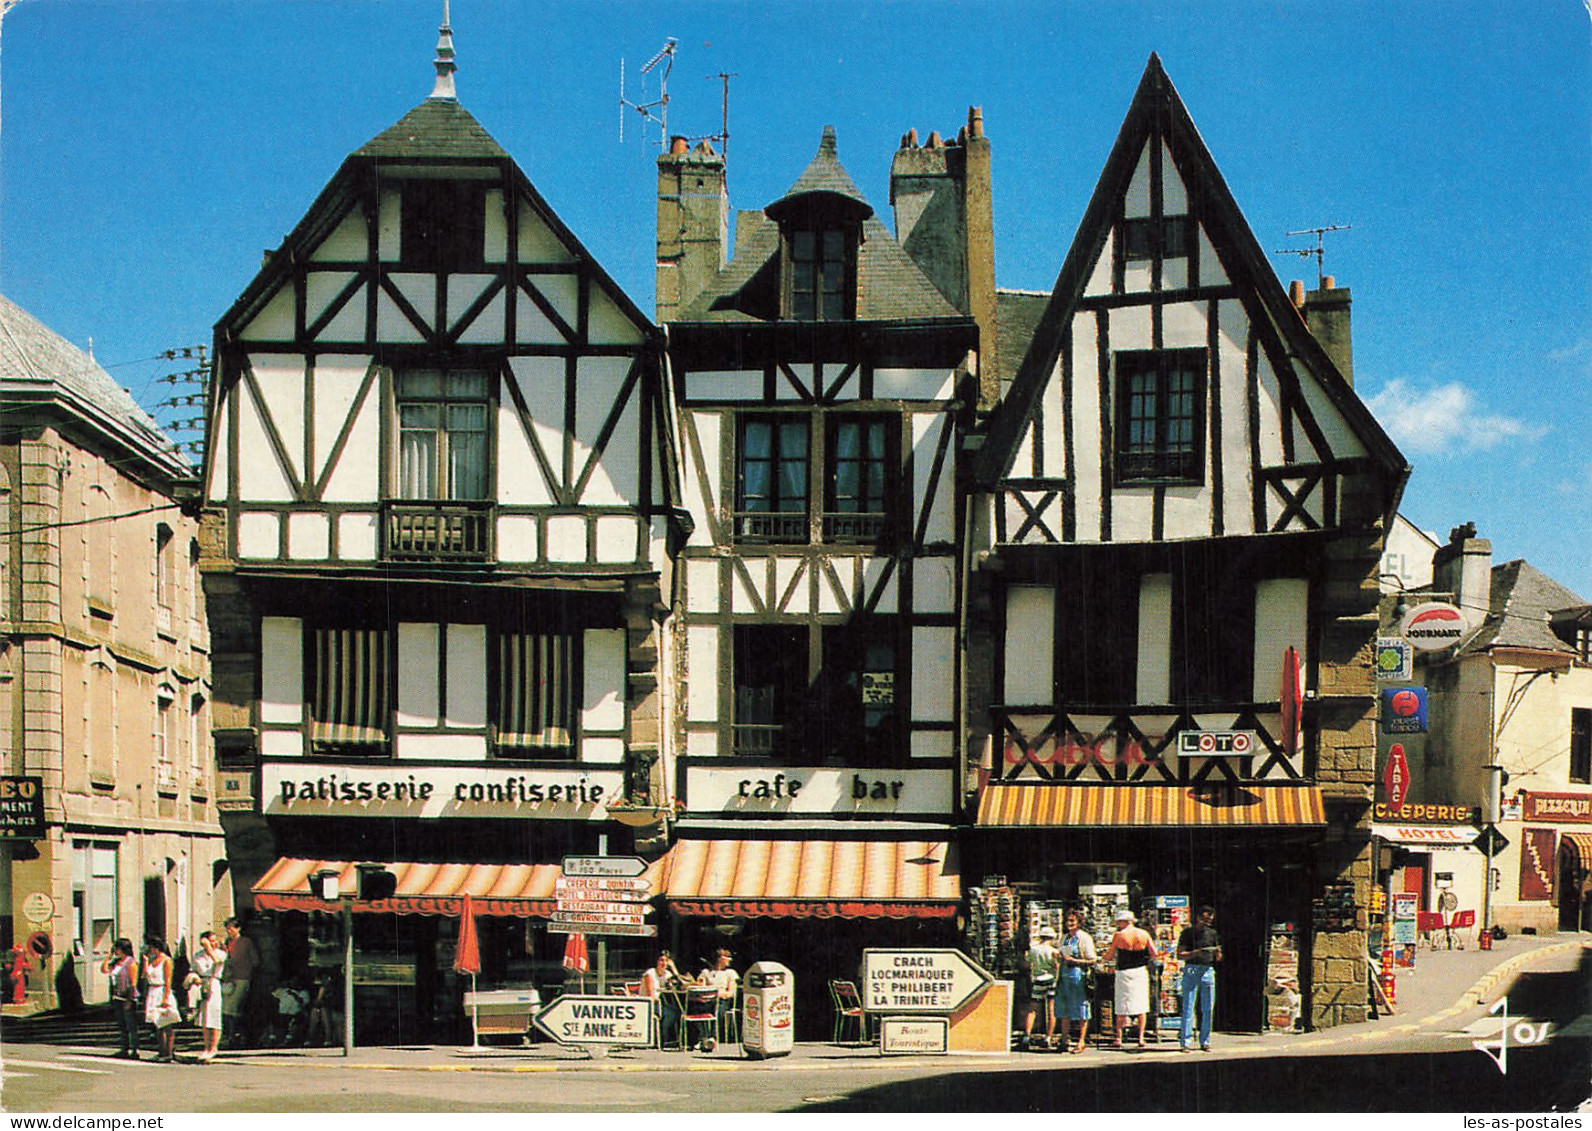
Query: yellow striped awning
847	879
1149	806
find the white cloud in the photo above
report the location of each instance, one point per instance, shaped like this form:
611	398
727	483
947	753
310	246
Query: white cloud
1428	420
1580	482
1578	357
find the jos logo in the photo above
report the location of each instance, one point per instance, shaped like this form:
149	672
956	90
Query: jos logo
1524	1033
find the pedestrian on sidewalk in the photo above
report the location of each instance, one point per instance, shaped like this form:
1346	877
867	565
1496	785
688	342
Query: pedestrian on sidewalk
1044	967
207	965
1072	992
236	974
1200	948
123	969
160	1001
1134	950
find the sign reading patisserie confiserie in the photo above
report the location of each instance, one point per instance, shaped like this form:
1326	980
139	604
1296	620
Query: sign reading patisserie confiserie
397	789
1573	807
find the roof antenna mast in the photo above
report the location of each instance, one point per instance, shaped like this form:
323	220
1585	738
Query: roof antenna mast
665	56
1317	251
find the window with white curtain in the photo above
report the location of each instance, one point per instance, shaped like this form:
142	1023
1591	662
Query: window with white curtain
442	425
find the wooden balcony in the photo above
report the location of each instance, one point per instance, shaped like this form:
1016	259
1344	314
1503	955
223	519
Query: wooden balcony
771	526
437	531
854	527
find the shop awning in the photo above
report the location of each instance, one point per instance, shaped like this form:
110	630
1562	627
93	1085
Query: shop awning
1150	806
1579	847
843	879
524	890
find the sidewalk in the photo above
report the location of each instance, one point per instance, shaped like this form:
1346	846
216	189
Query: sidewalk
1442	984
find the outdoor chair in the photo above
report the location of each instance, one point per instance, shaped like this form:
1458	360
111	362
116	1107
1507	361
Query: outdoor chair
701	1015
848	1010
730	1021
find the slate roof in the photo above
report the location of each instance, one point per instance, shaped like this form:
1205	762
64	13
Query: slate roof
890	285
438	127
1523	602
38	365
1017	315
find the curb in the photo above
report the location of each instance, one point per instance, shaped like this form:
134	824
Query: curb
1477	994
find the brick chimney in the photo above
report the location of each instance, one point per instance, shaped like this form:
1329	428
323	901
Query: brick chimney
1326	312
1464	568
693	223
944	220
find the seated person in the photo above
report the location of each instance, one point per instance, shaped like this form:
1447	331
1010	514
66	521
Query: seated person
724	980
664	975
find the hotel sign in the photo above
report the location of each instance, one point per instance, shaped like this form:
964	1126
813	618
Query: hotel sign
298	788
1575	808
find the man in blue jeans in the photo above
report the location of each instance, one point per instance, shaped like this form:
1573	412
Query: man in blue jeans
1200	949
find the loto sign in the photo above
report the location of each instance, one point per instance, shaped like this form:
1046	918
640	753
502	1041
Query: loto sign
920	981
581	1019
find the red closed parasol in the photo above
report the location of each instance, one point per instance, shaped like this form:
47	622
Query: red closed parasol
1292	701
467	955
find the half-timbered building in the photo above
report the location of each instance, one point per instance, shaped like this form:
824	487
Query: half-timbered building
440	485
824	383
1183	502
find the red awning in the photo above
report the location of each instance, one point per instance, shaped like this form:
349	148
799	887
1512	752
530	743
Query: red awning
1577	846
823	879
524	890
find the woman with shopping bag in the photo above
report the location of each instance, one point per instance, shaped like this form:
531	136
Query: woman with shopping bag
160	1002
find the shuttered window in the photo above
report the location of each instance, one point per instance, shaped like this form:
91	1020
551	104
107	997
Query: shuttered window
350	697
535	707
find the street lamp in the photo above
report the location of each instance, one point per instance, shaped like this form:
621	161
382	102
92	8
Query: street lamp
1491	812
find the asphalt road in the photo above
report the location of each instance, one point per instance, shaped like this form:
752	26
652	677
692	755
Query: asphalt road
1422	1065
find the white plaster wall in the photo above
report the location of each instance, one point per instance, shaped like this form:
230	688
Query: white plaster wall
933	585
442	747
1174	197
347	241
1340	437
1029	649
1237	481
1183	325
417	675
700	429
466	644
309	536
1137	202
729	385
1282	620
541	382
617	477
320	288
603	692
562	292
927	430
537	243
389	217
392	325
497	232
259	535
932	744
1212	271
1100	274
281	384
463	290
487	326
532	327
1086	426
281	670
357	474
335	385
702	674
566	538
1153	678
1052	425
420	291
516	538
798	598
1270	410
702	585
275	322
606	324
933	673
913	384
519	474
1186	512
356	537
617	538
221	466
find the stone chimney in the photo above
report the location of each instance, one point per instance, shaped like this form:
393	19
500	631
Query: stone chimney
693	223
944	220
1326	312
1464	568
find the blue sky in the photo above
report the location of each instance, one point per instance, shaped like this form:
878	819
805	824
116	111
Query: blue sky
150	150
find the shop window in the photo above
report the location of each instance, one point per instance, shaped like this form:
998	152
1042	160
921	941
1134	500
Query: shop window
1581	744
771	489
443	226
1147	238
534	711
859	480
770	689
349	694
1160	415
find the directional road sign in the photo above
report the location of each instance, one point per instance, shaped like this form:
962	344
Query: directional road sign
920	981
630	910
621	866
612	887
580	1019
640	930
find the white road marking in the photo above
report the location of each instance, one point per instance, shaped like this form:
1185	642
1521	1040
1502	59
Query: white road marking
57	1067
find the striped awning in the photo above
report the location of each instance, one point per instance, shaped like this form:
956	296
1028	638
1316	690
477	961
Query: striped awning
1579	847
1150	806
524	890
843	879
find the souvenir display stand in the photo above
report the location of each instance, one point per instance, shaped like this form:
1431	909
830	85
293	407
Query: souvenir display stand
1282	977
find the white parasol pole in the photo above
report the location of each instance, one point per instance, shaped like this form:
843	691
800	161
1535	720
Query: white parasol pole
475	1016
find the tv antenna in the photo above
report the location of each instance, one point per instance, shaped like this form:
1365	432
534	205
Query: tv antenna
657	110
1318	251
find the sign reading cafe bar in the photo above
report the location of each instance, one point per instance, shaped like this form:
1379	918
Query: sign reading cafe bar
322	789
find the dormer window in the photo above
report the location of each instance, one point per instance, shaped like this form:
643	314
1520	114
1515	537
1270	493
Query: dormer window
443	226
1147	238
820	273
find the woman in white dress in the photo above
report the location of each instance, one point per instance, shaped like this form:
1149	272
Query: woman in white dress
1133	950
207	967
157	976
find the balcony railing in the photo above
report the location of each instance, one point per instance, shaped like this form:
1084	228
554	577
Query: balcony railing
437	531
755	739
771	526
851	526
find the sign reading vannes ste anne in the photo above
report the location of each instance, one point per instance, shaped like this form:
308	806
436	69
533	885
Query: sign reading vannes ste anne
396	789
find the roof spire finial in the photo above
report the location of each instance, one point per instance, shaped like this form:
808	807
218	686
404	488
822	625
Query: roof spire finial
444	60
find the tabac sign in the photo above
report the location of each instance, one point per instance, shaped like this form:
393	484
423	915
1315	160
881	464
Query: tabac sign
21	807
